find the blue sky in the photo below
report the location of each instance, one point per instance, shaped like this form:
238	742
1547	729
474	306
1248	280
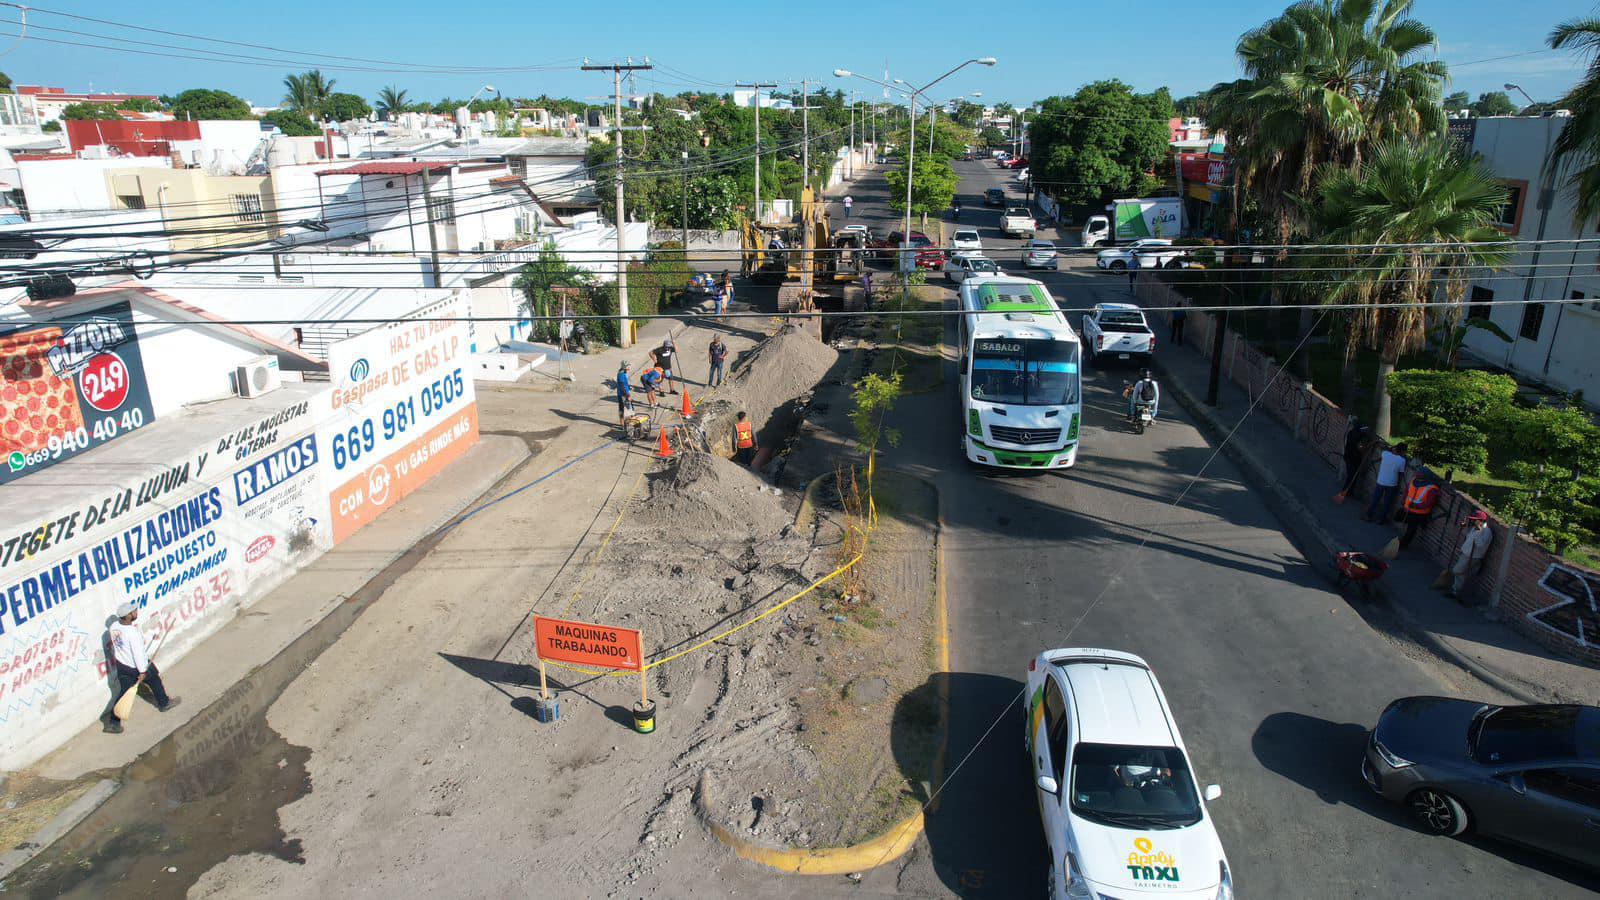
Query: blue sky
1186	46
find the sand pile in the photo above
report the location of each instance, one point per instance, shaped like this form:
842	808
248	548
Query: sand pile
697	493
769	380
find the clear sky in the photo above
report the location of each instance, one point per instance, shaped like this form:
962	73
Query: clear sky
1043	48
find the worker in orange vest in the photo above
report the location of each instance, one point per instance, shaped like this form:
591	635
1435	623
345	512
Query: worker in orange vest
1421	497
744	440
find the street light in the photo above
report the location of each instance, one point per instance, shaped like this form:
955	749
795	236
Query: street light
911	144
1518	88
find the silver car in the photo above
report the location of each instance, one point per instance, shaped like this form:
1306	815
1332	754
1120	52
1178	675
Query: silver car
1527	774
1039	255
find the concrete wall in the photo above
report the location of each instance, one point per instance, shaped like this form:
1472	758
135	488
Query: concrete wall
73	185
193	199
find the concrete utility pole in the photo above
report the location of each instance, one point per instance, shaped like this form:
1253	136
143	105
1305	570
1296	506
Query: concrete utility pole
624	337
685	220
805	132
757	86
850	159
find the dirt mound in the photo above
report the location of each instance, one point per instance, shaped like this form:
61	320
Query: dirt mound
766	385
698	493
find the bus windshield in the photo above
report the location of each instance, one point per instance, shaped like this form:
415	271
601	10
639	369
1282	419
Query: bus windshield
1026	372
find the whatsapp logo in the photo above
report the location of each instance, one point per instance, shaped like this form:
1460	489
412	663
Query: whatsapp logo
17	460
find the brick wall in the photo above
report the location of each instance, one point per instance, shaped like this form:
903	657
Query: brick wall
1565	619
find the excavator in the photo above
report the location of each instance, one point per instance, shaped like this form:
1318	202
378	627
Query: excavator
785	254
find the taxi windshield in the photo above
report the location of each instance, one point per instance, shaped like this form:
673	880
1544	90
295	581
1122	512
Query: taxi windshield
1133	787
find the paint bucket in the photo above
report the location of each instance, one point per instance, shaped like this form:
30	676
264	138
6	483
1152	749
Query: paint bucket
546	709
644	716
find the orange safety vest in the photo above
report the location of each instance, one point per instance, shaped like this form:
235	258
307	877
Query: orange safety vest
747	437
1420	498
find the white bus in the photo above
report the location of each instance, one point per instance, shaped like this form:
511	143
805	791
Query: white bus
1021	380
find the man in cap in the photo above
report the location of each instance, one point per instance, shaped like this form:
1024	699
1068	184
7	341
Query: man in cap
665	360
624	395
130	653
1474	549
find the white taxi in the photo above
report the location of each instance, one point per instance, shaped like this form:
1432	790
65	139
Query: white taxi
1116	792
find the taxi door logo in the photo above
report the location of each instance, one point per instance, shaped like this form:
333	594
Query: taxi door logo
1145	863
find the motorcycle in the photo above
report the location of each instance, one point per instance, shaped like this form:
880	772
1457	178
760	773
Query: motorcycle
955	213
575	337
1143	414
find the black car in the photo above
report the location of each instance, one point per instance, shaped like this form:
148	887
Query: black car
1527	774
994	197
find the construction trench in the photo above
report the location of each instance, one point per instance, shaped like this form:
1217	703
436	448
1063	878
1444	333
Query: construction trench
700	545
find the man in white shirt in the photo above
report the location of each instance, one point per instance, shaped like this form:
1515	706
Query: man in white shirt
1474	548
130	654
1391	470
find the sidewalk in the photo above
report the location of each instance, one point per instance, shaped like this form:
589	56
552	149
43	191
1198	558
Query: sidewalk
1299	487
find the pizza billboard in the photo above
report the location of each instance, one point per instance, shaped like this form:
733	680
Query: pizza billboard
67	389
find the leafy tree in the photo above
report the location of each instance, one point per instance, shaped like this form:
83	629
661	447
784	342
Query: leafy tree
546	271
933	186
52	125
1101	142
391	102
1457	100
307	91
204	103
1577	147
1420	216
874	396
1187	106
5	83
342	107
1452	412
291	123
1561	493
82	111
967	114
993	138
1494	103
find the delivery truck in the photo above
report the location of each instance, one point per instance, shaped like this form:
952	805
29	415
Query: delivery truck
1130	220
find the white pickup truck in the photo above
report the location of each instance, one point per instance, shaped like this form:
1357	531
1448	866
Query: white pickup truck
1017	222
1117	331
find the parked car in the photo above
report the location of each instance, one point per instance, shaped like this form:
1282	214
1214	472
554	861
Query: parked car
1116	790
966	239
1145	253
1526	774
994	197
1017	162
1118	331
928	255
1002	158
1040	254
961	266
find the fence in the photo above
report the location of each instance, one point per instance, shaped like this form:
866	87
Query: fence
1541	595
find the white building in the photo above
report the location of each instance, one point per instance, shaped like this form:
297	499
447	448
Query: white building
1552	344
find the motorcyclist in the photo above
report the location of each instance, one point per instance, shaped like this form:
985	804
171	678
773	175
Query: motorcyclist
955	210
1145	390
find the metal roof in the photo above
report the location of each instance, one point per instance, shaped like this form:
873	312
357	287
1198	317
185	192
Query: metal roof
390	168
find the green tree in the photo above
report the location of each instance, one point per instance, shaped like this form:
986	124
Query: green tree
535	282
1494	103
1420	217
306	91
80	111
1187	106
204	103
391	102
1561	493
1576	152
342	107
933	186
993	138
1451	413
1457	101
874	397
53	125
967	114
5	83
1101	142
291	123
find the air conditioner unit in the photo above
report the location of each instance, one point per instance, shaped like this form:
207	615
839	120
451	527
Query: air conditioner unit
258	376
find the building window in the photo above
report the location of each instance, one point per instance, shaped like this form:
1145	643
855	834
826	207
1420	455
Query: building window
247	208
442	210
518	165
1478	303
1532	321
130	201
1510	219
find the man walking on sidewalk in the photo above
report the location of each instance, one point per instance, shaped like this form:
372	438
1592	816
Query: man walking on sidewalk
719	355
849	201
1391	468
1474	549
131	655
1179	317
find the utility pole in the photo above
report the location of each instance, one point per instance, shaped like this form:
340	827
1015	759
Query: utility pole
624	336
850	160
757	86
685	220
805	132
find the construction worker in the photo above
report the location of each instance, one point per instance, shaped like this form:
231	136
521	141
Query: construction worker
650	379
130	654
666	355
718	352
624	396
744	440
1422	495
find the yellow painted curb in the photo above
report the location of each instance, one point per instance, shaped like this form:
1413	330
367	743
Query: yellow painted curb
886	847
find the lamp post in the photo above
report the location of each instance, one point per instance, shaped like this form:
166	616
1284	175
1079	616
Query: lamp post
1510	86
907	259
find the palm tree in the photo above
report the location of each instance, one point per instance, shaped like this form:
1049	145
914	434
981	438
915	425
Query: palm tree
307	91
1422	217
1578	145
391	101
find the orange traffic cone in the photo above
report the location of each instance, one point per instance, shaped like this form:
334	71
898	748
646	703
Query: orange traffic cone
688	408
663	450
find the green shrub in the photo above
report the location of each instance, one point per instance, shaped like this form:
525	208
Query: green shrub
1453	413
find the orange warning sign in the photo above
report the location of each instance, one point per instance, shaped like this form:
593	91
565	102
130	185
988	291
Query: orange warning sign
583	644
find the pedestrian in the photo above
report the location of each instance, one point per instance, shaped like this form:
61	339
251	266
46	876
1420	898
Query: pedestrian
650	379
1357	441
1391	467
624	395
1421	497
1474	550
866	287
665	357
131	656
1179	316
725	296
719	355
849	201
1133	273
744	440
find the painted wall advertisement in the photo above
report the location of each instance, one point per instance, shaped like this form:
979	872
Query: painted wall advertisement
64	390
193	539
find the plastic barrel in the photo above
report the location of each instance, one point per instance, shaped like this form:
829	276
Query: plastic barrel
644	717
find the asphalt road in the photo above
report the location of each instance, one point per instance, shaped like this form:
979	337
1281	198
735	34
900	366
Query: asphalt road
1273	677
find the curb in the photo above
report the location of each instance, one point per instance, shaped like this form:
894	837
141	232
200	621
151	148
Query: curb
1306	531
58	825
